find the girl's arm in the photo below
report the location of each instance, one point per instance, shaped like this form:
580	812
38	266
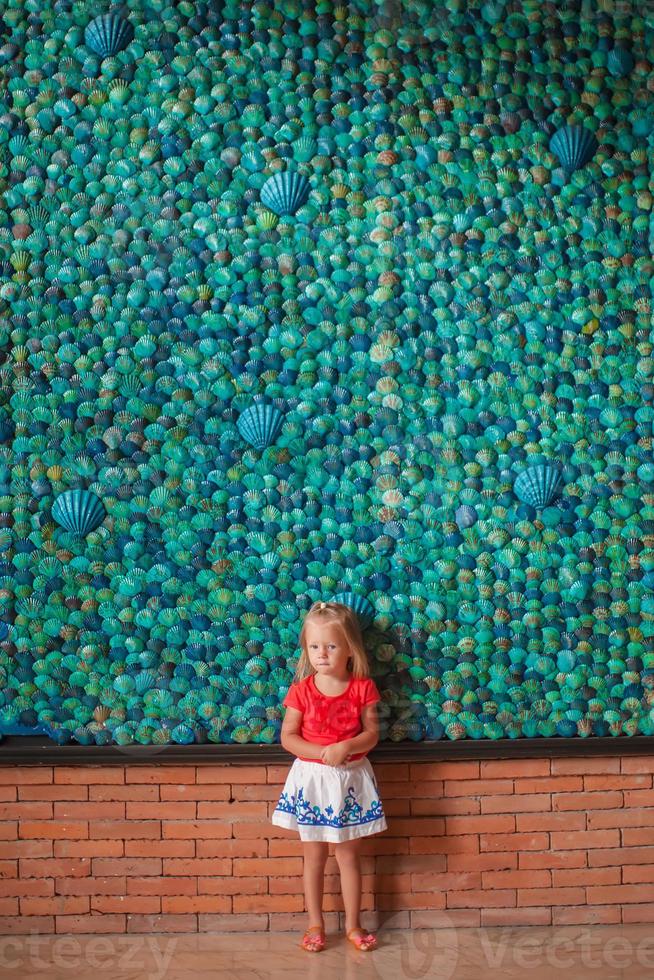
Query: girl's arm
368	738
291	739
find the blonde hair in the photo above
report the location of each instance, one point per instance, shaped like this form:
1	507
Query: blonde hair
333	614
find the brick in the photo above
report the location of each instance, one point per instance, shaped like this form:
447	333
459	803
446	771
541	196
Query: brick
586	876
181	904
245	886
477	787
584	838
171	810
240	848
447	881
55	829
21	775
194	829
55	867
620	856
268	903
623	817
9	829
501	861
585	765
8	906
410	864
587	801
461	844
24	810
238	810
480	898
639	797
489	823
87	775
526	878
267	866
519	842
26	848
87	810
587	914
552	859
232	774
563	820
27	887
514	768
90	886
205	791
126	866
422	771
613	781
160	848
38	792
548	784
124	793
633	873
551	896
88	848
456	919
598	894
440	807
531	802
243	922
93	923
635	836
638	913
167	924
206	866
11	925
522	916
408	902
55	905
637	764
125	829
139	904
163	886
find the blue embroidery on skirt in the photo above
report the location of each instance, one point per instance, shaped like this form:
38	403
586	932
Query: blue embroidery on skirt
351	812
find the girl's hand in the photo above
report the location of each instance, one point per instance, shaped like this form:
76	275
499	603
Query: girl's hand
335	754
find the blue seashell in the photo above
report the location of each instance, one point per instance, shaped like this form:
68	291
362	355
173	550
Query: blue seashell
465	516
259	424
285	193
108	34
538	485
363	608
619	62
574	146
79	511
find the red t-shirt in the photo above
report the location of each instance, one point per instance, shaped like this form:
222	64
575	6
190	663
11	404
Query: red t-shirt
328	719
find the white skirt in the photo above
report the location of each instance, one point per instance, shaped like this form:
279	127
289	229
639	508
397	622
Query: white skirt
330	803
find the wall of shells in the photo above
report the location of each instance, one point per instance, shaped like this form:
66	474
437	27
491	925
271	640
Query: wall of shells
306	300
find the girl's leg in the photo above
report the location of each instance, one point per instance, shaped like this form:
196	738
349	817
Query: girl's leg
349	866
315	858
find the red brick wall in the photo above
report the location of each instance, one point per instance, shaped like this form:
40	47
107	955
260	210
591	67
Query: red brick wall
179	848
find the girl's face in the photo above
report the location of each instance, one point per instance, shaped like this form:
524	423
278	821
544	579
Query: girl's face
327	649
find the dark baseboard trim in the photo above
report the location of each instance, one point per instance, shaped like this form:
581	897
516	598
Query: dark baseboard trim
37	750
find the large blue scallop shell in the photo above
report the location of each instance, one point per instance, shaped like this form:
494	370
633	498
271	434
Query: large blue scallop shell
79	511
259	424
285	193
574	146
538	485
108	34
363	608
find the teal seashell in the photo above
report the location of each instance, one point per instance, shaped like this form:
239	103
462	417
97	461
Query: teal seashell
538	485
574	146
619	62
259	424
108	34
79	511
286	192
363	608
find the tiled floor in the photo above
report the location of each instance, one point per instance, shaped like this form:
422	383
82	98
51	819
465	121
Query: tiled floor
580	952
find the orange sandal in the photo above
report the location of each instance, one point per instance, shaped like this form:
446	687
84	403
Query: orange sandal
365	942
313	942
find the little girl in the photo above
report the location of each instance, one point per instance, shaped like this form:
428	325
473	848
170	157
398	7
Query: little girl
330	793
